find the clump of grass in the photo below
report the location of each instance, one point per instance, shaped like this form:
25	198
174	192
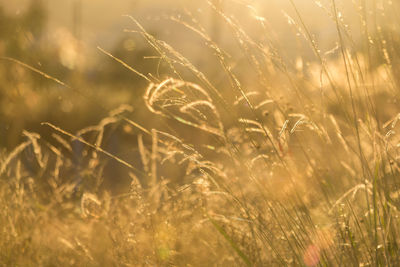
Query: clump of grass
232	173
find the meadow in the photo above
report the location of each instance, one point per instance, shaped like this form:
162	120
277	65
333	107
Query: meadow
250	141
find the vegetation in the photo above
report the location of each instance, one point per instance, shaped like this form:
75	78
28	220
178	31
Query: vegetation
253	155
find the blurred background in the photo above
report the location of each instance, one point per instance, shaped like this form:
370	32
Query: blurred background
61	38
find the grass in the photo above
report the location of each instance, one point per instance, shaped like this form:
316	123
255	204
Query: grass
275	161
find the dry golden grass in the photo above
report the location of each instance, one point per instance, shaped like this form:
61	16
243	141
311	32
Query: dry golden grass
276	162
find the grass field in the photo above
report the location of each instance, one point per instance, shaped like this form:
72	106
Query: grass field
238	143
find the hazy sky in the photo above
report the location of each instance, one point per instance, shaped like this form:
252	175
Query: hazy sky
102	21
101	18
